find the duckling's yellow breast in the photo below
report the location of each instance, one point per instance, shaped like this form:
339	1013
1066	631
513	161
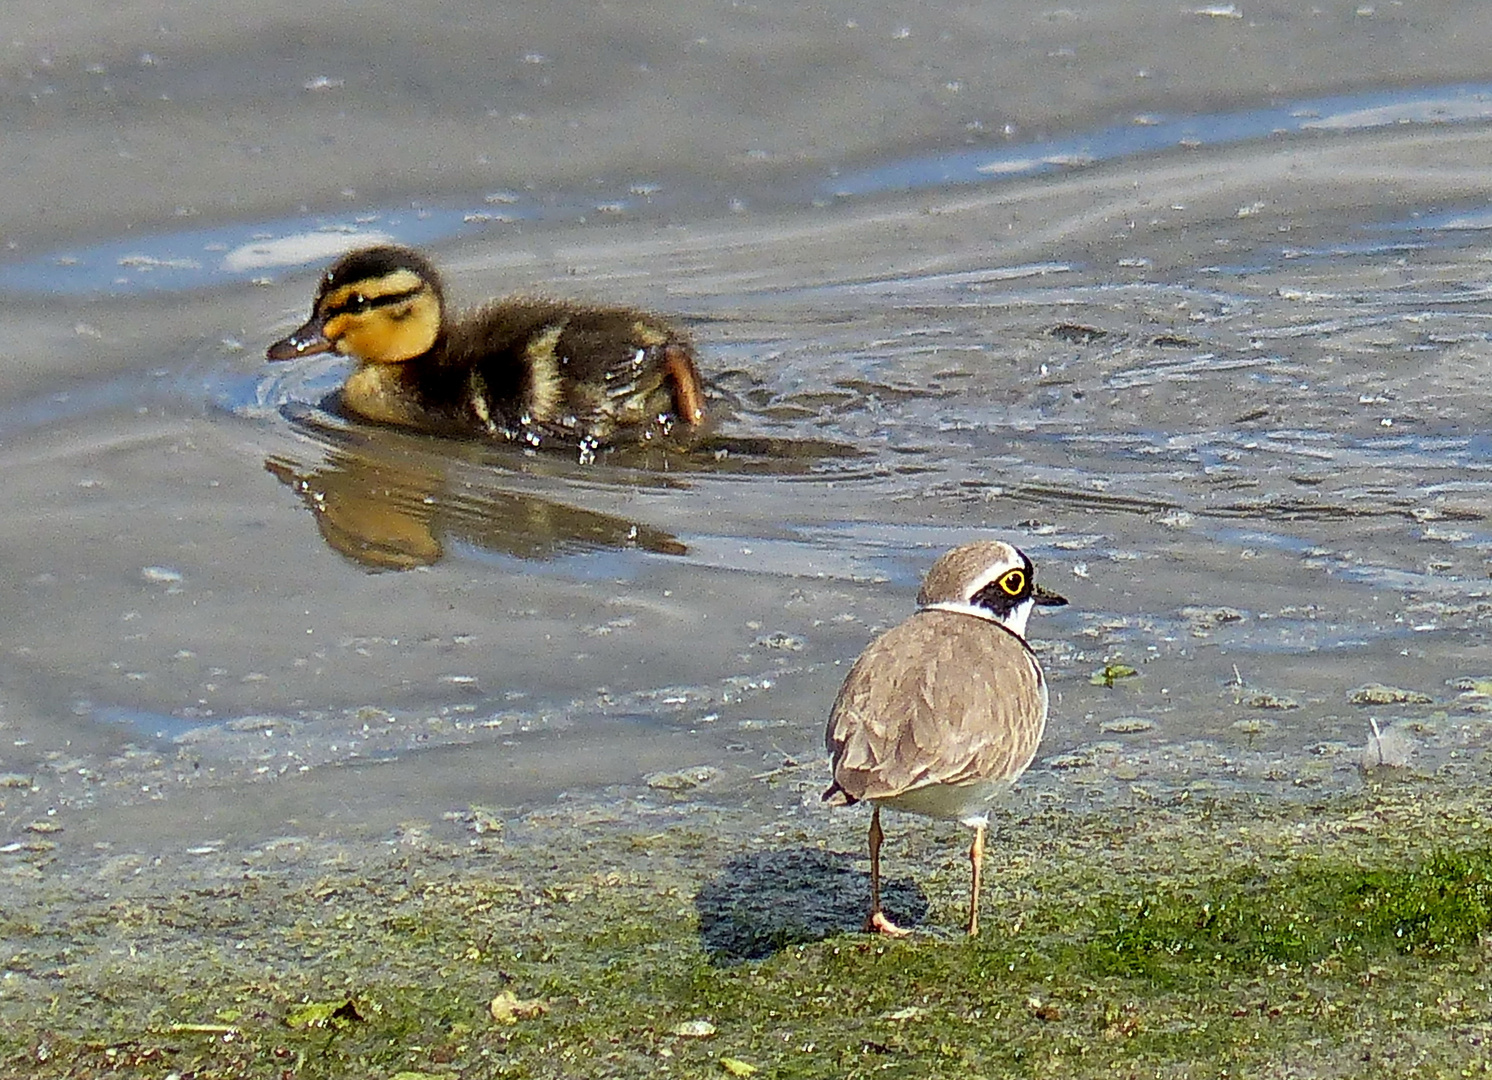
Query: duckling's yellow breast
376	392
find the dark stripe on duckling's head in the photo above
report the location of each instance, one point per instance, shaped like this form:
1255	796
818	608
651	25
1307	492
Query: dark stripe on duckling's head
365	296
370	265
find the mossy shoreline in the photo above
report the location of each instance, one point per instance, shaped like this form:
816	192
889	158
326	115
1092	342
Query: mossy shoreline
1346	936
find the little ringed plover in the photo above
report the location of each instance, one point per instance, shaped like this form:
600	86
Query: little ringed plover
944	711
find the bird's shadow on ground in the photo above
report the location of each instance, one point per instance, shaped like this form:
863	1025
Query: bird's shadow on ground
762	903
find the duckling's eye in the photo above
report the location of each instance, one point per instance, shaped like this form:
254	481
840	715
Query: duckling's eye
1013	582
358	304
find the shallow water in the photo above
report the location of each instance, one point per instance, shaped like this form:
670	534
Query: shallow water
1213	350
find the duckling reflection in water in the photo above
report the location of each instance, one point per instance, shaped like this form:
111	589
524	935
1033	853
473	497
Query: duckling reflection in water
385	511
515	369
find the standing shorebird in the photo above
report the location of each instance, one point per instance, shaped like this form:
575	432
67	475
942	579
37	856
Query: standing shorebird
944	711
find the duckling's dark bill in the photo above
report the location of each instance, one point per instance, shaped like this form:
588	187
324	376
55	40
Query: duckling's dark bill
307	341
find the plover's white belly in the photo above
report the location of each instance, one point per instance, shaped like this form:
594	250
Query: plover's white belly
967	802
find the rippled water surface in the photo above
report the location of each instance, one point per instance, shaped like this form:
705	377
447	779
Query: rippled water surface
1215	353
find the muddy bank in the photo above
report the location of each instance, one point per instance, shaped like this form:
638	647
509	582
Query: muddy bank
1320	938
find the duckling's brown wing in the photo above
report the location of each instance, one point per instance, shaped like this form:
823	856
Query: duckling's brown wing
942	698
623	368
551	366
593	370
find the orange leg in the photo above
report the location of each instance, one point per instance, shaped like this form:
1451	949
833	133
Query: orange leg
976	859
877	921
688	391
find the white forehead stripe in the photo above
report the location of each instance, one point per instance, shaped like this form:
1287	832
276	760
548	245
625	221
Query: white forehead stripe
991	575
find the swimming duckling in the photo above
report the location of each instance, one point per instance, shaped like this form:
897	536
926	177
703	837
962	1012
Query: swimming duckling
517	368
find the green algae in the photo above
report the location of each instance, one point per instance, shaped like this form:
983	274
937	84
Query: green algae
1346	937
1315	910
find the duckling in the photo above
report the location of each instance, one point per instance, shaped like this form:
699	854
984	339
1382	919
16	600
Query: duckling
518	368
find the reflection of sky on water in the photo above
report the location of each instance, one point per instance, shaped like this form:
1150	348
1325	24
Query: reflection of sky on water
167	262
1150	134
145	724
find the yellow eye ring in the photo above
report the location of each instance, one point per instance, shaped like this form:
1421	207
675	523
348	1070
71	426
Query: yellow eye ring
1013	582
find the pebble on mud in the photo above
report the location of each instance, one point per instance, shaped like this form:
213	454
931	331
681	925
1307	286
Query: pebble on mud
1378	694
683	779
1206	618
1075	760
1268	701
779	640
1126	725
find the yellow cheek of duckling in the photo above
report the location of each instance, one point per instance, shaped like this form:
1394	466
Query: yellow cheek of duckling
385	335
